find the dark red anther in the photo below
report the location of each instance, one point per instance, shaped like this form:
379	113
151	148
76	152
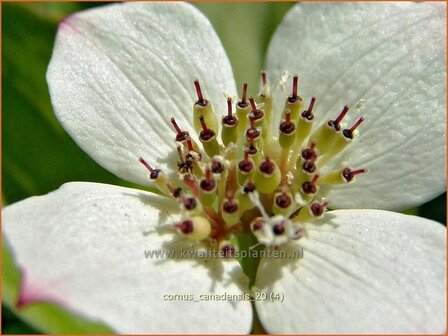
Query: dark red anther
308	114
249	186
201	101
286	126
309	187
208	183
295	87
278	229
217	167
349	174
154	173
318	209
245	165
348	133
229	119
283	200
252	132
185	227
189	203
229	206
267	166
309	166
335	123
228	251
310	153
206	134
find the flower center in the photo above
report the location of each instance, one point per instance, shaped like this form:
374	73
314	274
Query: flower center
241	175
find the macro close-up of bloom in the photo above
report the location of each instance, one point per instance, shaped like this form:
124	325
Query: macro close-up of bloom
346	127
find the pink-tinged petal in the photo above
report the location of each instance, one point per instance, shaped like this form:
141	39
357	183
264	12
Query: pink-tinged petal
119	73
83	247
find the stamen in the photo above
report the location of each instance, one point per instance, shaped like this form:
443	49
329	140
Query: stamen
249	187
229	119
335	123
348	133
279	229
267	166
309	187
257	224
229	206
201	101
349	174
283	200
309	166
185	227
229	107
208	183
310	153
308	114
228	251
217	167
189	203
245	165
318	209
295	86
287	127
154	173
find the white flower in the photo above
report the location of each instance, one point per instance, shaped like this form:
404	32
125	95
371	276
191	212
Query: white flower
119	73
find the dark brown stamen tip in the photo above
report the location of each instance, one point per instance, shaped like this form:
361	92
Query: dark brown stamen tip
249	187
251	149
308	114
287	127
206	134
318	209
309	166
335	123
309	187
201	101
278	229
230	206
189	203
154	173
245	165
348	133
349	174
267	167
186	226
264	79
207	184
310	153
229	119
217	167
283	200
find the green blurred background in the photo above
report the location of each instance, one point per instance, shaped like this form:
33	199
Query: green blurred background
38	156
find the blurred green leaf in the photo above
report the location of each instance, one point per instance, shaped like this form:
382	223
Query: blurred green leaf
38	156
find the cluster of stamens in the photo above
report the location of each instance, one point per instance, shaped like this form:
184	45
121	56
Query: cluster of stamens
241	176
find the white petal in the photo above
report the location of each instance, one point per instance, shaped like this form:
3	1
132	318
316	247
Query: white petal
120	72
84	246
391	55
365	271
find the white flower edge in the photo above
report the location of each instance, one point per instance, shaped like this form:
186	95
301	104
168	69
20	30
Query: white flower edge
119	73
363	271
83	247
393	57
